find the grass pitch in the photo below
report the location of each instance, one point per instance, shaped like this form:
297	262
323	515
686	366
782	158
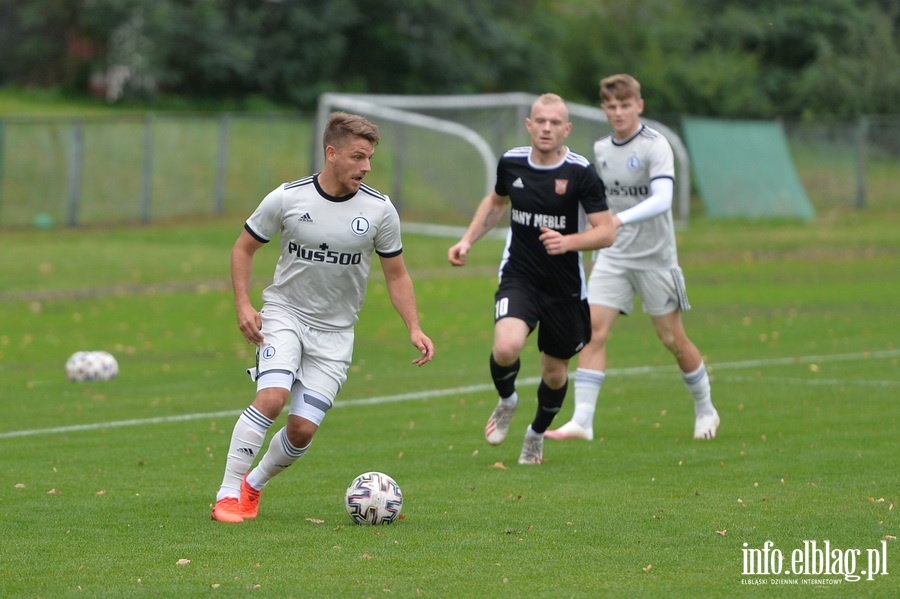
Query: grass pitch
106	487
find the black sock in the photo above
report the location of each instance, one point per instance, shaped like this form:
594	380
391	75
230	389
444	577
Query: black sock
504	377
549	403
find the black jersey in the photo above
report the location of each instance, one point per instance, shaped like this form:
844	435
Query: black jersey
558	197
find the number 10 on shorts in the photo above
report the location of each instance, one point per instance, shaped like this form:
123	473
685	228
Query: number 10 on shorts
501	308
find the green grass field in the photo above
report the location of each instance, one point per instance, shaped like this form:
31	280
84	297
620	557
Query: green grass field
106	487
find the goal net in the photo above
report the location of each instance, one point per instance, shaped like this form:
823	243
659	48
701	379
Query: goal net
438	154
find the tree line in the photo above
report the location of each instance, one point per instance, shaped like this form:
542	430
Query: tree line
724	58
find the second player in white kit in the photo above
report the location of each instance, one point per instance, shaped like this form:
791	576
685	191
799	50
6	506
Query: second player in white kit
636	165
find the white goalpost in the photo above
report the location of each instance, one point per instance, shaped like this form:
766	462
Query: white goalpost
441	151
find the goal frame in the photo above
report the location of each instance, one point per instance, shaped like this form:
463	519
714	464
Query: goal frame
402	109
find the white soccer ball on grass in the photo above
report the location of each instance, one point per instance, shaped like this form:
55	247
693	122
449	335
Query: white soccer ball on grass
373	498
109	367
86	366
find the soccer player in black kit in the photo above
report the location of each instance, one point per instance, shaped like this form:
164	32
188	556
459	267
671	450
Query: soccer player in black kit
551	191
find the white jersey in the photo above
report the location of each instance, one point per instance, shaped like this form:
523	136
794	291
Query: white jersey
627	167
326	248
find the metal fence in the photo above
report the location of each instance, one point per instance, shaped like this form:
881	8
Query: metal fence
88	171
142	169
846	165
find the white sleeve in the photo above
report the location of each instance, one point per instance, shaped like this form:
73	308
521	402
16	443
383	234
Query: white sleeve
659	201
388	239
266	220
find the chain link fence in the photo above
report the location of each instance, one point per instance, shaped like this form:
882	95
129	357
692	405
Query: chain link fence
78	172
848	165
72	172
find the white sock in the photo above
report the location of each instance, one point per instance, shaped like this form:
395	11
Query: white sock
278	456
512	400
529	433
587	389
246	441
697	383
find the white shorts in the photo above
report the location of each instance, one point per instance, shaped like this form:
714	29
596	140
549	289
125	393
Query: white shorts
291	351
662	291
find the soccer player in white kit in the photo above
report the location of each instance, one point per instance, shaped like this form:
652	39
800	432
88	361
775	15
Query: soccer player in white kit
329	224
636	165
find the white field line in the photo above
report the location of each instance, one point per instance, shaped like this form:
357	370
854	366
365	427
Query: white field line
638	370
809	382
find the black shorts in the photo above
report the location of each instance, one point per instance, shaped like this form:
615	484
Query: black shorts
565	323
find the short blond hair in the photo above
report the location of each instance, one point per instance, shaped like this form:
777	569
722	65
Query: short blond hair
547	99
342	126
619	87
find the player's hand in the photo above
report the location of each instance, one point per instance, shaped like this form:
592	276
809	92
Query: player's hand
554	242
250	323
457	254
421	342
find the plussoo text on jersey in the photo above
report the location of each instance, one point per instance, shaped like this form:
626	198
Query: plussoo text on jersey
324	255
628	190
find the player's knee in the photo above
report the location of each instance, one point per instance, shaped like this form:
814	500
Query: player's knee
679	345
300	432
505	354
598	337
271	401
554	377
668	340
554	380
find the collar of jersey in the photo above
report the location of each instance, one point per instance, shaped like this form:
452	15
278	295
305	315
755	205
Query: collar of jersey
328	196
616	142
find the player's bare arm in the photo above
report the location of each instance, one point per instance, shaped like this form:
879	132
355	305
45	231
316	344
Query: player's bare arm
488	214
249	320
403	297
601	234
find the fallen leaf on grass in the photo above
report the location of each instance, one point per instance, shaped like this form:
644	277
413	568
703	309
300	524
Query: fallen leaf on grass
315	520
722	532
498	466
647	568
20	486
54	492
183	562
889	538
